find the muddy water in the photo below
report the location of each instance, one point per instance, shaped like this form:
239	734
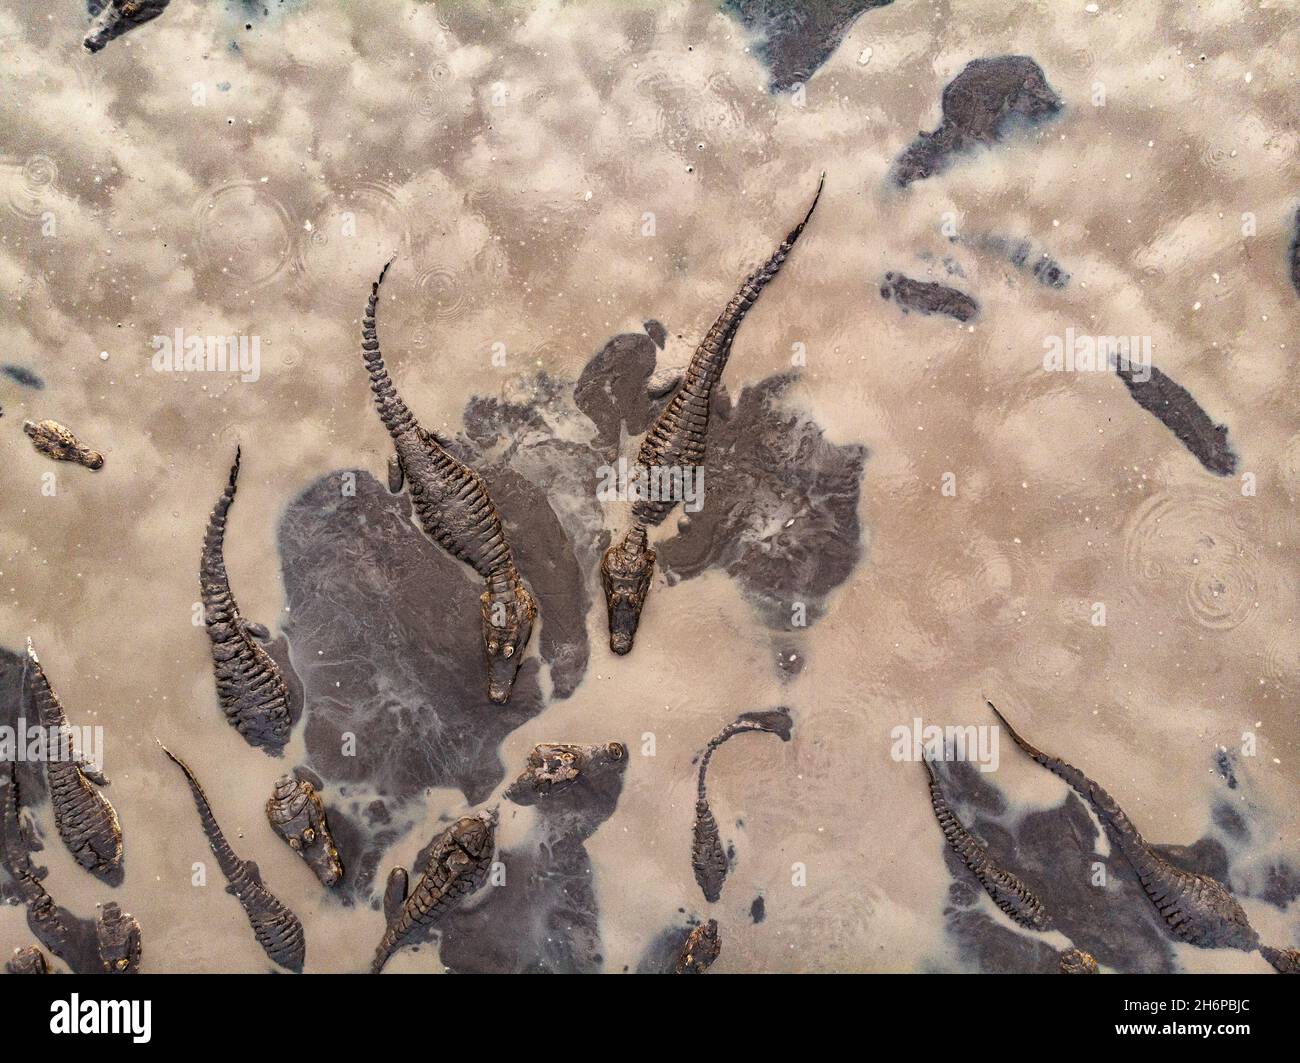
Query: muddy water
965	524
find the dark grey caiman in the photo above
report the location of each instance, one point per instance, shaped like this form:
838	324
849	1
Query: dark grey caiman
297	814
112	18
454	509
1008	892
85	819
1195	908
708	860
676	441
277	929
457	865
118	935
250	687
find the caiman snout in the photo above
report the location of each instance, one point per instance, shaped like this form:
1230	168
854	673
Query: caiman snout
620	642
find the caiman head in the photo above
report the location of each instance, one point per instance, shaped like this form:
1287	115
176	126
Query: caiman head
116	17
476	835
625	572
297	814
1076	961
30	960
58	442
118	936
552	766
507	627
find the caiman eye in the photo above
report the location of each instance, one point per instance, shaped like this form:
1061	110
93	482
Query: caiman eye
308	836
509	651
295	844
493	646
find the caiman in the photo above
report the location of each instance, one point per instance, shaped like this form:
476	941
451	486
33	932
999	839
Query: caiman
276	928
457	866
1007	891
85	819
1195	908
708	860
676	441
452	504
250	687
297	814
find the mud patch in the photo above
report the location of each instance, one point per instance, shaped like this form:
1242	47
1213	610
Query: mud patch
384	625
1021	254
980	105
780	513
795	37
612	387
544	919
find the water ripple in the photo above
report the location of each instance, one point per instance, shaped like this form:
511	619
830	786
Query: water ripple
242	234
348	236
32	186
1203	545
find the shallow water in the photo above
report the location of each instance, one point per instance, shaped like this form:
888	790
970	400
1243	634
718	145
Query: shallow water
553	176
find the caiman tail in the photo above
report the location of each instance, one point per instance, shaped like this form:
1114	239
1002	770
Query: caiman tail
711	356
231	866
392	410
1095	795
212	564
385	950
1006	890
43	916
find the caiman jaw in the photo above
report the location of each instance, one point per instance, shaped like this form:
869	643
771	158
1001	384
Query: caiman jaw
625	571
505	638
